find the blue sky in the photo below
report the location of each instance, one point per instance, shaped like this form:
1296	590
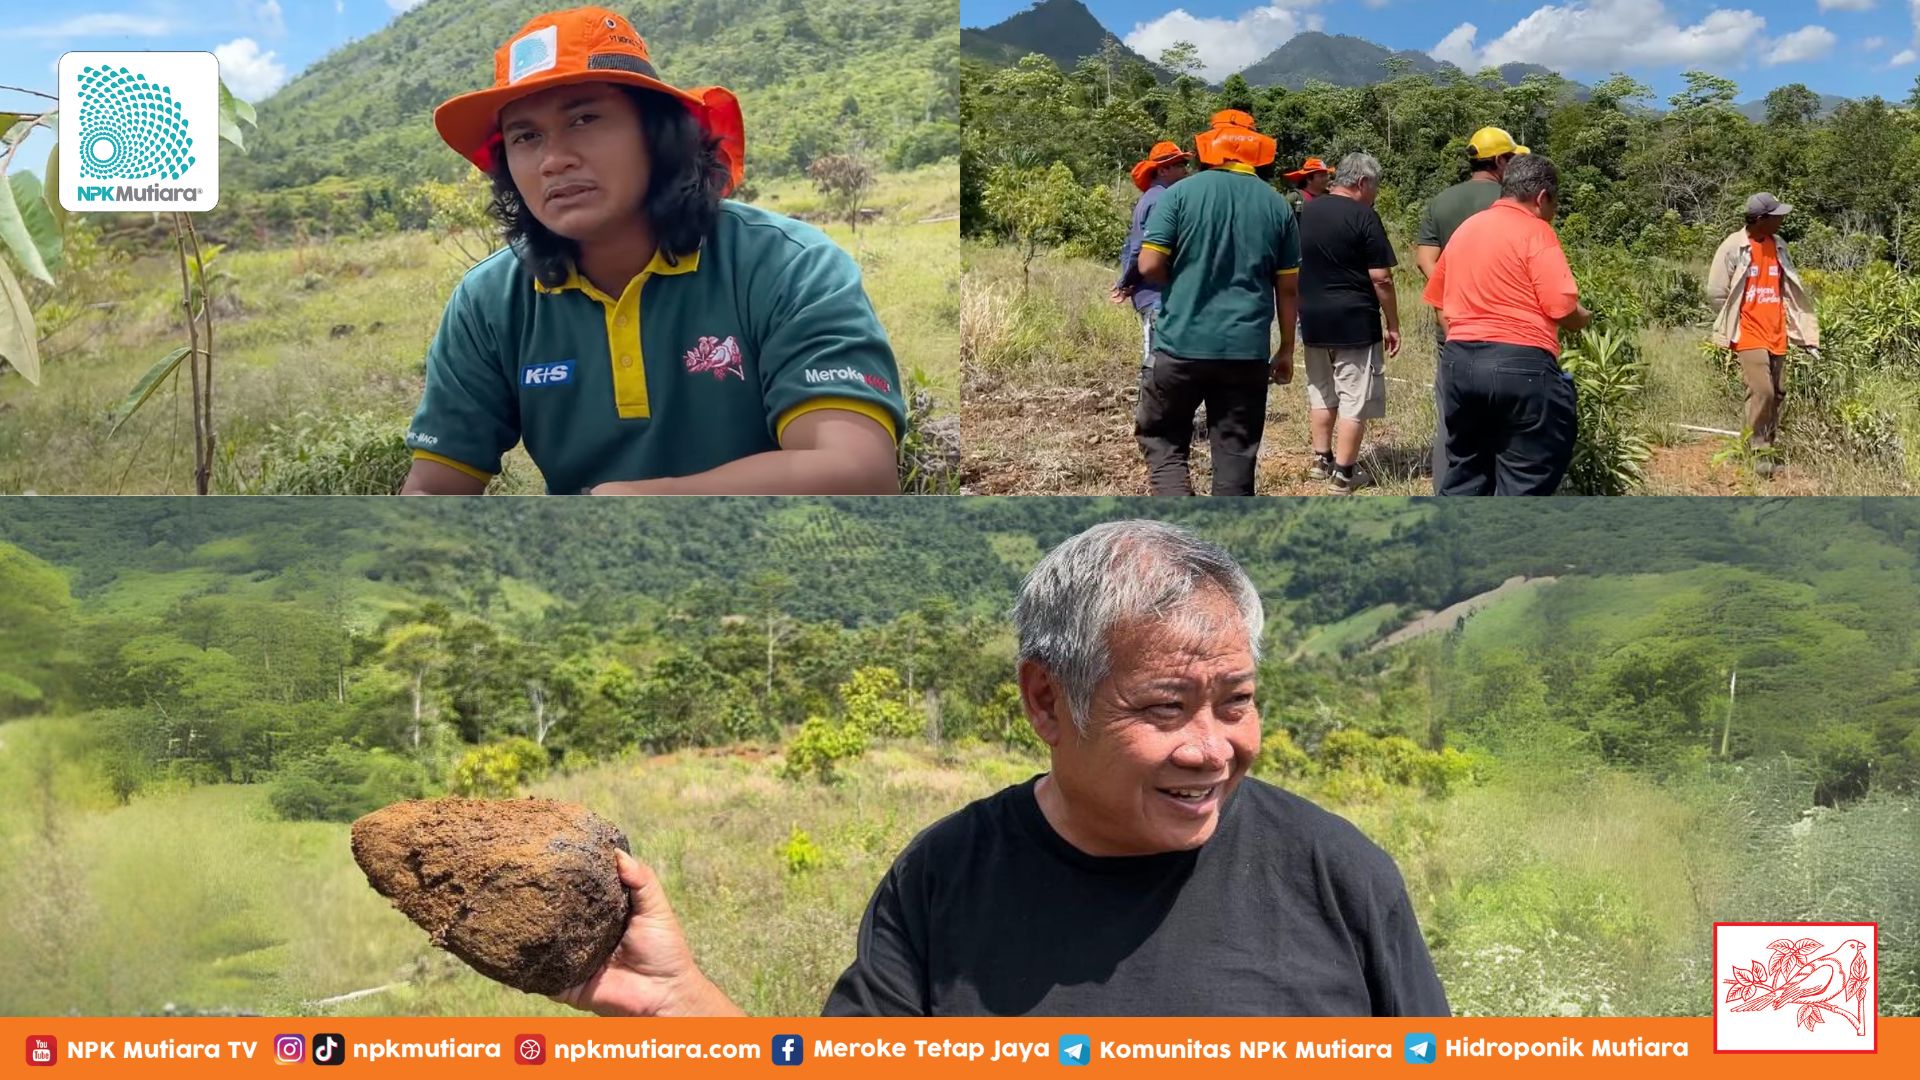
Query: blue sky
262	44
1847	47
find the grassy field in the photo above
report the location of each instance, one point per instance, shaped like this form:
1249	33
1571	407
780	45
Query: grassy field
1544	890
1051	387
325	342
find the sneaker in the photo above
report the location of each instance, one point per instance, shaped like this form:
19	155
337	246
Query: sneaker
1344	484
1321	469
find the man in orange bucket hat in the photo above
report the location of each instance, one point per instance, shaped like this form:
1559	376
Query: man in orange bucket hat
1163	166
1226	249
759	367
1232	138
1307	183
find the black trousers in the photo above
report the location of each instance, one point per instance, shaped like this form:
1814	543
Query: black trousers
1235	394
1510	419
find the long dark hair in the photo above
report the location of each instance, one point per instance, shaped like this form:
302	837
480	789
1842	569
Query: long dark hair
683	194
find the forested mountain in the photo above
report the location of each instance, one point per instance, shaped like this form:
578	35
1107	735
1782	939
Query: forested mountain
158	603
1062	30
812	75
1066	32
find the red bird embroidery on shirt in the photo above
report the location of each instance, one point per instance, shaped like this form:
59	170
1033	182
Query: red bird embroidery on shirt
1816	984
720	357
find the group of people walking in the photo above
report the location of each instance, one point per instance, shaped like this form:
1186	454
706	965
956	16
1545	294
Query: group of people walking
1214	257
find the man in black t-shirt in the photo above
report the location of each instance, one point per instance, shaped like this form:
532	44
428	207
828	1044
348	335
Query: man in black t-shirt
1144	873
1346	285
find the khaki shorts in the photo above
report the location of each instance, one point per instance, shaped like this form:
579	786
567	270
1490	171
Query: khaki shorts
1349	378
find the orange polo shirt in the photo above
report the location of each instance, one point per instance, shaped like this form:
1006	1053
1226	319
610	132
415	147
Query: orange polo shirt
1763	320
1502	277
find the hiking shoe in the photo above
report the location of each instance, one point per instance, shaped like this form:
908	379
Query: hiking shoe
1764	468
1342	484
1321	469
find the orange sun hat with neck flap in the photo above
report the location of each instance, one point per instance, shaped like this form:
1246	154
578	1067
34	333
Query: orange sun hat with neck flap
581	45
1163	153
1232	140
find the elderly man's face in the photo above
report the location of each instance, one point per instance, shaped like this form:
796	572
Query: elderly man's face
1171	732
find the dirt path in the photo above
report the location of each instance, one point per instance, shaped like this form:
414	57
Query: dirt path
1446	618
1075	437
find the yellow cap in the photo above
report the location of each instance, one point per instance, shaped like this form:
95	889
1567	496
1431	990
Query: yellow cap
1491	142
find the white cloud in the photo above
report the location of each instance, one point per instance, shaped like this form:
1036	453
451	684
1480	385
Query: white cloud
1846	5
1457	48
1605	35
272	22
1874	44
404	5
1903	58
339	7
1806	43
247	71
1226	45
113	25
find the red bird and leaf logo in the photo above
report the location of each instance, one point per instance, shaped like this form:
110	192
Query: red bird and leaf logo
721	358
1817	983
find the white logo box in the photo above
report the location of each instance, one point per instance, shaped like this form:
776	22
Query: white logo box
1817	988
146	138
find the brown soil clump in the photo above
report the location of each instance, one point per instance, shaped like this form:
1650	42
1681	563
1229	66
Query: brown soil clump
526	891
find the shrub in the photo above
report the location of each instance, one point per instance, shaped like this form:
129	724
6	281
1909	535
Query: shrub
497	770
799	852
819	747
343	782
1611	452
335	455
876	705
1365	765
1280	758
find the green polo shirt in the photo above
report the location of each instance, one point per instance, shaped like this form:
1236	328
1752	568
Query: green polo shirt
1229	236
694	365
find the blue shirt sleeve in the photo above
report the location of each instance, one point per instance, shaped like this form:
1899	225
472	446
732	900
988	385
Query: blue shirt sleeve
1130	255
1163	222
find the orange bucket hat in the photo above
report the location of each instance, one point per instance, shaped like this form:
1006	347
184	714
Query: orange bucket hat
1163	153
1233	139
1308	168
581	45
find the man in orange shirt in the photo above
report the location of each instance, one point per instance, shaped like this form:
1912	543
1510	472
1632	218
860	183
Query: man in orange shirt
1504	290
1763	305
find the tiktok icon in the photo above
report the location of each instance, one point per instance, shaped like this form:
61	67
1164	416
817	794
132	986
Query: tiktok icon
329	1049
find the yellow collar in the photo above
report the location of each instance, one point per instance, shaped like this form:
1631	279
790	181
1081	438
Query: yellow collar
658	265
1239	167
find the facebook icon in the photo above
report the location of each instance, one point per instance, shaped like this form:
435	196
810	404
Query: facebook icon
789	1049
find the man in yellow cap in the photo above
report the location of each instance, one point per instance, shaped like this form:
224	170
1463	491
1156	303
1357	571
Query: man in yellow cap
1307	183
1227	249
640	333
1163	167
1488	152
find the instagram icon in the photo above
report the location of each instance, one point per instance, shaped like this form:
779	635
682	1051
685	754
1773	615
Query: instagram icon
289	1049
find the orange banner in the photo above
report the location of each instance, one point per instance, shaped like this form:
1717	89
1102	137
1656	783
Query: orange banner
468	1049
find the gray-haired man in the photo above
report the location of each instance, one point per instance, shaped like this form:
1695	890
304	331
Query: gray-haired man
1346	286
1144	873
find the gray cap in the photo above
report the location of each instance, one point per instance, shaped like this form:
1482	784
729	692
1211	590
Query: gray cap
1765	205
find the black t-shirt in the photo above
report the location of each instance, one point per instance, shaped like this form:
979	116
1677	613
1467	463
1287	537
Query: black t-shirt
1287	911
1340	240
